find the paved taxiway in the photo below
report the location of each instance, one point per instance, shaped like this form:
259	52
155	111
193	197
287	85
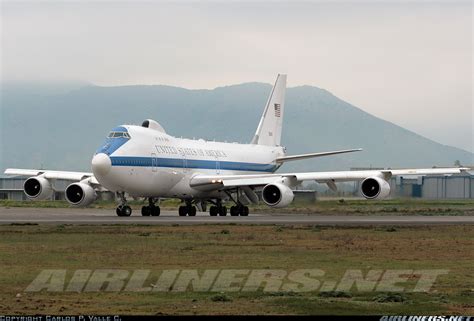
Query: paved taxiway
101	216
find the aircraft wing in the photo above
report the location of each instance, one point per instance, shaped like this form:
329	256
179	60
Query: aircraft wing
71	176
313	155
221	182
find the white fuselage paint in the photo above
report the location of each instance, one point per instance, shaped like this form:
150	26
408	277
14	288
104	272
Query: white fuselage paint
152	163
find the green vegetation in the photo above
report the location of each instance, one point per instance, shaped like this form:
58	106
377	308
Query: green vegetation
390	297
220	298
321	207
25	250
335	294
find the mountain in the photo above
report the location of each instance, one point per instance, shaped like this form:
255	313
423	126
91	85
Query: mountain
63	130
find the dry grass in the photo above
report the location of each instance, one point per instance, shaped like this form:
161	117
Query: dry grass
321	207
26	250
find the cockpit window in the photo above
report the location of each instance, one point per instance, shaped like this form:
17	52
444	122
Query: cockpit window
118	135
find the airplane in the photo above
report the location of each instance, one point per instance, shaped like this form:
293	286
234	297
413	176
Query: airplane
144	161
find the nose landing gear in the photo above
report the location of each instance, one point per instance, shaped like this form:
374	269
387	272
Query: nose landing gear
123	209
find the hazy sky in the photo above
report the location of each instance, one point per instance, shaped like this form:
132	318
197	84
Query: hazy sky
406	62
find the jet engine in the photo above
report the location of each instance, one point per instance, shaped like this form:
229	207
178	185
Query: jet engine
80	194
277	195
375	188
38	188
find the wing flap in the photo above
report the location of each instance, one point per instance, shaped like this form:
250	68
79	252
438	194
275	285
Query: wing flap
313	155
217	182
23	172
428	171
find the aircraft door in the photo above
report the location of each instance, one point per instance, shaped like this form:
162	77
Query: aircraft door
185	162
218	166
154	162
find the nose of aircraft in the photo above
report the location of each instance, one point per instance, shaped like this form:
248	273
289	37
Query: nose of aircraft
101	164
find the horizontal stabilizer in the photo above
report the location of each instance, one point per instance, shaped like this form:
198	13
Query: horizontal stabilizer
311	155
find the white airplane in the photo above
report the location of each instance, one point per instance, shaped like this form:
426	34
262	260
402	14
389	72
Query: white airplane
144	161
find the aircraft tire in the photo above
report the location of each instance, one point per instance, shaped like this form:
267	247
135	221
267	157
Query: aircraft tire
213	211
192	211
155	211
146	211
126	210
182	211
234	211
223	211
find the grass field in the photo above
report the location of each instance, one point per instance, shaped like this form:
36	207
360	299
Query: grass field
324	206
25	250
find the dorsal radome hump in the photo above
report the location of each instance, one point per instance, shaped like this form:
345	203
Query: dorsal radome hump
153	124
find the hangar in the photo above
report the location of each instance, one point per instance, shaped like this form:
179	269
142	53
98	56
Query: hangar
455	186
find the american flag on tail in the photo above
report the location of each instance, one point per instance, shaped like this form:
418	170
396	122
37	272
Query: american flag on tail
277	110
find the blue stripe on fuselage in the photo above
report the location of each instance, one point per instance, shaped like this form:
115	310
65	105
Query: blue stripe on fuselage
190	163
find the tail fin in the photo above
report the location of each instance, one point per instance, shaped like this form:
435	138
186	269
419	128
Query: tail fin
269	129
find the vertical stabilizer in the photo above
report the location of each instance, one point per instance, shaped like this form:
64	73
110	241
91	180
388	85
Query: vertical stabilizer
269	129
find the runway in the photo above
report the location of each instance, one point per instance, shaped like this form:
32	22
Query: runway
107	216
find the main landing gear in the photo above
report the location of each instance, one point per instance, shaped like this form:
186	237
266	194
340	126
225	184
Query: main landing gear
239	209
123	209
187	209
151	209
218	210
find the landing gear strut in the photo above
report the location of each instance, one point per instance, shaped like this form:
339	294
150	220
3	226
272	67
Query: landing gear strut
218	209
123	209
151	209
239	208
188	209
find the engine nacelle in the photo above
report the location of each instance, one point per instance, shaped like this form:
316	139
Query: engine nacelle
277	195
80	194
38	188
375	188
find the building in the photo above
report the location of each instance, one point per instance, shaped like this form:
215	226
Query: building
459	186
456	186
